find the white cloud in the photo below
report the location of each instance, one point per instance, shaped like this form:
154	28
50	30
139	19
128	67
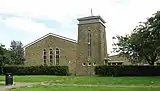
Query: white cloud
121	15
27	25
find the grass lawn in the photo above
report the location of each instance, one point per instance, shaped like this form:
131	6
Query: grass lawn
114	80
35	78
80	88
89	80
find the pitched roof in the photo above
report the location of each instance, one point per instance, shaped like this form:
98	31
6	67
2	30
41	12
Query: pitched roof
50	34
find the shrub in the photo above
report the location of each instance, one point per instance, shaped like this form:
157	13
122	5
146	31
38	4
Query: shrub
127	70
36	70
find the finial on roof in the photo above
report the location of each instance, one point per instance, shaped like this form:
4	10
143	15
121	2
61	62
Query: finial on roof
91	12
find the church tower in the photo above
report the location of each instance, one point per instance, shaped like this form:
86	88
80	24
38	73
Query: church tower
91	47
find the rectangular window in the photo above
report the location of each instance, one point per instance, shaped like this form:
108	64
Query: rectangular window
119	63
57	59
109	63
44	53
114	64
57	52
51	51
89	43
57	56
89	36
44	57
51	56
89	50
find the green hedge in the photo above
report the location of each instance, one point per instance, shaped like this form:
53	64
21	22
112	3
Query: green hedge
36	70
127	70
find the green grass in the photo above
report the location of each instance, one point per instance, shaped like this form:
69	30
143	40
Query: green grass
114	80
81	88
35	78
89	80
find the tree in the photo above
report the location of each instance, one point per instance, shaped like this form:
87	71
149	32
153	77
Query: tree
3	58
143	44
17	52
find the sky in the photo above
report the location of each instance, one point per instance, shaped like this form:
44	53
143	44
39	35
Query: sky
28	20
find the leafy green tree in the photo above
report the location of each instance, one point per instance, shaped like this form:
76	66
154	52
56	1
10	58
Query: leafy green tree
143	44
17	52
3	58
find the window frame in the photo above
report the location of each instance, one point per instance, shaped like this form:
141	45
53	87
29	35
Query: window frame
57	55
51	55
89	43
44	56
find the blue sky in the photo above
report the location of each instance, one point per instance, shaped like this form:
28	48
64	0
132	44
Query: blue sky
27	20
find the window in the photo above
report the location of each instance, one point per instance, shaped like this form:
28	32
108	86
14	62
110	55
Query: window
51	56
89	36
83	64
109	64
89	43
89	64
57	53
114	63
94	64
89	50
105	62
119	63
44	56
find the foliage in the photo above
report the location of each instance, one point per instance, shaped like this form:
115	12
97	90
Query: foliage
36	70
144	42
17	53
3	58
127	70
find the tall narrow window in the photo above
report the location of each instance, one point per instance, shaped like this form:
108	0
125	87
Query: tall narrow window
57	53
44	56
51	56
89	36
89	43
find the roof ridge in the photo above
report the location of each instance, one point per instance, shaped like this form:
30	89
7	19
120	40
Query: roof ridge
52	34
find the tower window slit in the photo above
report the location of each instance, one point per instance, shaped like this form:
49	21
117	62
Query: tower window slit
89	43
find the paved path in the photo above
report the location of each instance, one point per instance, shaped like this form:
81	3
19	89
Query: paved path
109	85
18	84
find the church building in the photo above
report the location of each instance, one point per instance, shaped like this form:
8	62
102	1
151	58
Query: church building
80	56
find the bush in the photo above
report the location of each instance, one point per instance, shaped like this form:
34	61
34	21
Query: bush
127	70
36	70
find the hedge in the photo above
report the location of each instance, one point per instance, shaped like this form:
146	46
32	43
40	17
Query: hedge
36	70
127	70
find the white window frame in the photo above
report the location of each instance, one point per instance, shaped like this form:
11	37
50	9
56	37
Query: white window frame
94	64
56	54
89	64
50	55
43	56
83	64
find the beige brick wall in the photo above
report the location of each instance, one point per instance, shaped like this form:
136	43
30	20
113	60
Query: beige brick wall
33	53
98	50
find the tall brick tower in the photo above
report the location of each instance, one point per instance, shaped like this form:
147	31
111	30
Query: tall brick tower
91	48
